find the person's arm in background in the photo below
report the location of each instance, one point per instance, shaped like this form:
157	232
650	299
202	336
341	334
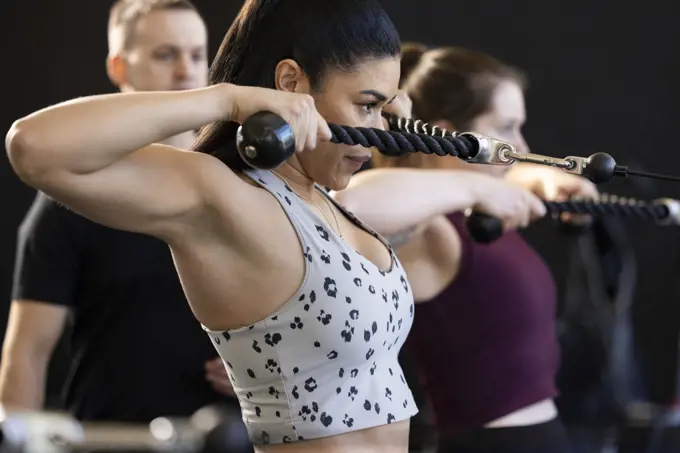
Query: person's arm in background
550	183
45	275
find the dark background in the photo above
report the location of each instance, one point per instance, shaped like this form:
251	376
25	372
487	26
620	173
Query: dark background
604	77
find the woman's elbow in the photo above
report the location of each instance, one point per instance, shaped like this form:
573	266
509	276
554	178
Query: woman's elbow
25	151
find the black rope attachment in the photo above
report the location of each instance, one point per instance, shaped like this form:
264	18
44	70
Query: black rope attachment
398	143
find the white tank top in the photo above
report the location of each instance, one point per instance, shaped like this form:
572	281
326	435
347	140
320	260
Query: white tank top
326	362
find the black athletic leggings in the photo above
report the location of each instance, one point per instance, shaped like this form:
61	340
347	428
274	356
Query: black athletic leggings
548	437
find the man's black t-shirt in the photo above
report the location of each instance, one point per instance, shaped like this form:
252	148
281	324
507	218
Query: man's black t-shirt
137	350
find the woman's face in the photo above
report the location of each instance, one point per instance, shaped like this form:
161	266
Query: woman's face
356	99
503	121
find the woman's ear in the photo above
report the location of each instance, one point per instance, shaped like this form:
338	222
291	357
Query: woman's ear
289	76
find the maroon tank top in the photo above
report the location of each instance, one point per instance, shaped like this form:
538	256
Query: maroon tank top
487	346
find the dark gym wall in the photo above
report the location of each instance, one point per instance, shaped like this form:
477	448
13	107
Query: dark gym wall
603	78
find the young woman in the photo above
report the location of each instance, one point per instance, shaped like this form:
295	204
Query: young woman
290	287
485	341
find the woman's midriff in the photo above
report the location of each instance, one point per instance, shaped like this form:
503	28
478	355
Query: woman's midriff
392	438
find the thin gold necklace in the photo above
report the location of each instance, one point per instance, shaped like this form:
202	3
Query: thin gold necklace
337	224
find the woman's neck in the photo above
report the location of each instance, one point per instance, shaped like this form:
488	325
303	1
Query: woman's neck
302	183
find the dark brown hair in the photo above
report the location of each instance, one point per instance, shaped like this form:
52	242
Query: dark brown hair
455	84
411	53
449	83
320	35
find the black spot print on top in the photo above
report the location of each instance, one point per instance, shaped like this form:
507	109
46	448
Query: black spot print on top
287	187
324	318
273	392
364	269
326	420
310	385
325	257
347	333
368	333
312	299
323	233
307	255
346	261
272	366
272	339
309	412
262	181
353	392
297	323
330	287
404	283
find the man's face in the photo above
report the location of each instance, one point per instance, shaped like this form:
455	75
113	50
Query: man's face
168	51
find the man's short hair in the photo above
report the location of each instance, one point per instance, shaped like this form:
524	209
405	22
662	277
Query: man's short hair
125	14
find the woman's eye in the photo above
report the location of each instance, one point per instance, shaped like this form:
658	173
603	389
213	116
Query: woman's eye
368	108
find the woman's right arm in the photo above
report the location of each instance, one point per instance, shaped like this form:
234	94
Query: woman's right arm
96	154
394	200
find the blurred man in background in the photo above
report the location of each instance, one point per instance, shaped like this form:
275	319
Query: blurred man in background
126	362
